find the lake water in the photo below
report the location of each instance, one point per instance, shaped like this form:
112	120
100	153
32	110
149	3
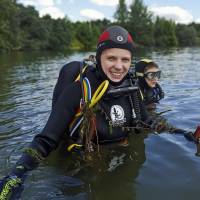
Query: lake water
152	167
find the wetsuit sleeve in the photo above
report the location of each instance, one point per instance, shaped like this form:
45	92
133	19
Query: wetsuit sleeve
161	92
67	75
61	115
43	143
54	130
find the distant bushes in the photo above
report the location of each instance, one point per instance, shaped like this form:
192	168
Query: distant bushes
21	28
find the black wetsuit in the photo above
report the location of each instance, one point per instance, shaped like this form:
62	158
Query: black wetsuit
117	111
151	95
67	75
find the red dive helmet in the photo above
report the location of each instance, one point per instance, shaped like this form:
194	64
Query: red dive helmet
114	37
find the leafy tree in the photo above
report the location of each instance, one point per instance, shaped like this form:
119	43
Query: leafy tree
196	26
140	24
60	35
21	28
85	35
165	33
186	35
8	25
121	14
29	23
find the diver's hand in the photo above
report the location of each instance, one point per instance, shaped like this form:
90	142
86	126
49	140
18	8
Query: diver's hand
187	134
158	124
11	187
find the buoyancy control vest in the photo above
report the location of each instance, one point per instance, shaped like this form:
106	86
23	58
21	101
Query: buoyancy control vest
68	74
150	95
153	95
118	110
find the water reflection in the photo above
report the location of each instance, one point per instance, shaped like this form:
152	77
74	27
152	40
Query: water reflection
26	86
108	176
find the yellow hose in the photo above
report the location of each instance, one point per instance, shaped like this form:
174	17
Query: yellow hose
97	95
142	96
70	147
78	77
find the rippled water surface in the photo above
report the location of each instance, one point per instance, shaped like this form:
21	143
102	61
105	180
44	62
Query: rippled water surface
152	167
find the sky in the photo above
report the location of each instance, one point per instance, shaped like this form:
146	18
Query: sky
181	11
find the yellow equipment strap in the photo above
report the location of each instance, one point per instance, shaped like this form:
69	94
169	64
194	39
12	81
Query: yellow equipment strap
70	147
146	60
78	77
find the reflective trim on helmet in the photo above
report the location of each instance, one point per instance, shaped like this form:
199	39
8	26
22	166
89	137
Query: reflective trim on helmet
139	74
146	60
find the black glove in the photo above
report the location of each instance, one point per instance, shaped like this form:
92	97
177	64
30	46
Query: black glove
187	134
158	124
11	186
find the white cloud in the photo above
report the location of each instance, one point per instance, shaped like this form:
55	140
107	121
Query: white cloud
109	2
28	2
54	12
197	20
37	2
58	2
45	7
72	18
71	1
92	14
179	15
105	2
128	2
46	2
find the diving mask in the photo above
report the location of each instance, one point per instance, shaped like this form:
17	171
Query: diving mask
153	75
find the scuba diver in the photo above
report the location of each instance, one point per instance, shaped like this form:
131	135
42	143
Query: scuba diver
148	74
69	73
103	106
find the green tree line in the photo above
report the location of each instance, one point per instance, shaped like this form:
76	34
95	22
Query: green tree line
21	28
